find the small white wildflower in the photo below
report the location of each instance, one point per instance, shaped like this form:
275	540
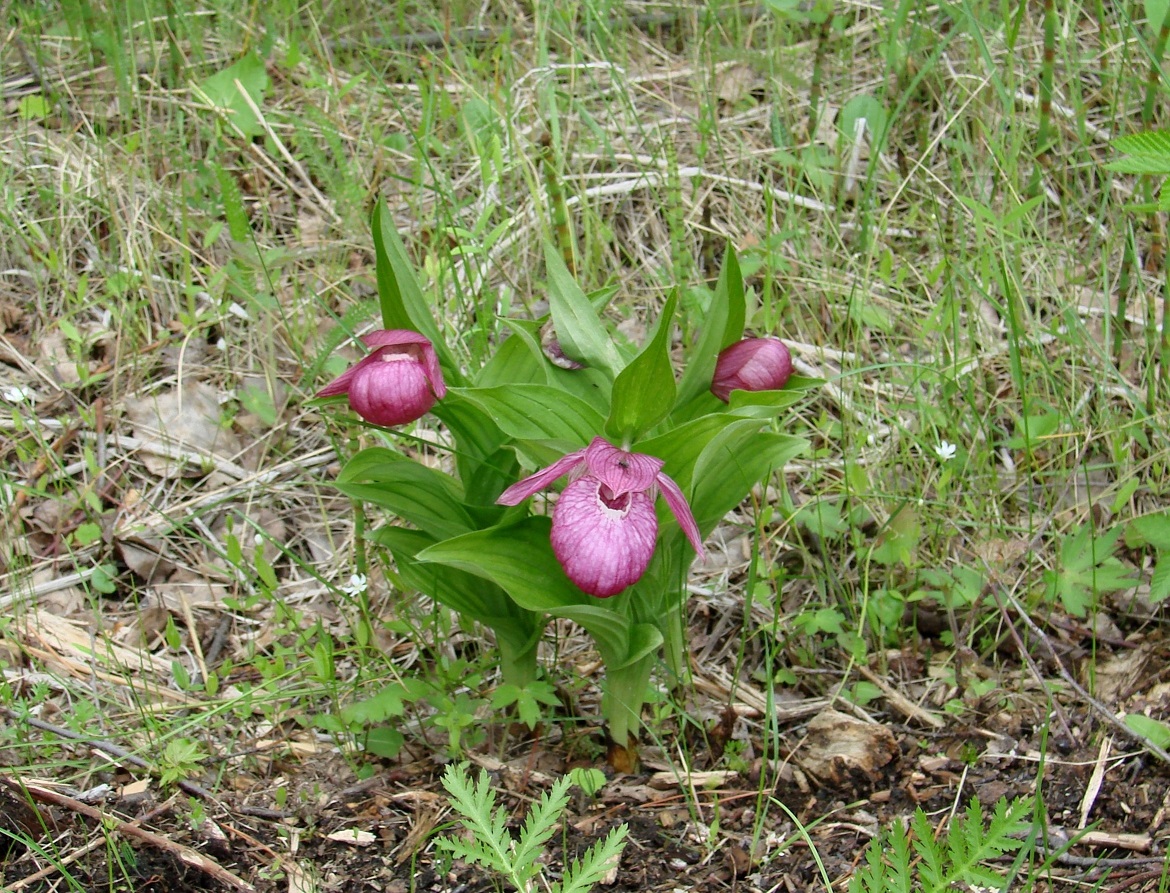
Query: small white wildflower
356	586
945	450
221	344
238	311
258	539
16	394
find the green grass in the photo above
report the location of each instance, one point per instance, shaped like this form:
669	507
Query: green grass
961	276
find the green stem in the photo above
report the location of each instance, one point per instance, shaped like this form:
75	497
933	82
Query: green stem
674	645
625	694
517	661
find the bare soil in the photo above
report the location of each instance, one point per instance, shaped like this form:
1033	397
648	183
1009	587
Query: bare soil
701	835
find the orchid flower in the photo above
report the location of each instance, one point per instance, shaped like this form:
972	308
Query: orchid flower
604	527
396	383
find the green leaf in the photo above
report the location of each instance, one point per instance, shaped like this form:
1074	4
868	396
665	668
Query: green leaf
1087	567
1160	580
643	392
513	363
536	412
462	592
427	498
620	642
1156	13
723	325
764	404
1150	729
233	205
384	742
1155	165
595	866
226	90
527	700
518	558
482	468
401	296
33	107
589	385
734	462
681	447
1149	530
1148	153
864	106
898	539
578	327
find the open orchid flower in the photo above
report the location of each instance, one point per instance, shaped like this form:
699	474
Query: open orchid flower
604	527
397	383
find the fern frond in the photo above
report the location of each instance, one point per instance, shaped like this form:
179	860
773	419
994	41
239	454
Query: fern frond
930	854
476	803
541	822
580	876
968	844
945	860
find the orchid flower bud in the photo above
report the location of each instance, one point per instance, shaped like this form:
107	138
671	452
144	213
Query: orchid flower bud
753	364
396	383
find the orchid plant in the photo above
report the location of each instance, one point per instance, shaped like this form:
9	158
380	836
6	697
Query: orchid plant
610	556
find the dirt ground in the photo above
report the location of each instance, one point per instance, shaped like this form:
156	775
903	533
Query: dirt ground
841	773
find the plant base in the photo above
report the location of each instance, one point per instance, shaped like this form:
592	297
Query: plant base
623	758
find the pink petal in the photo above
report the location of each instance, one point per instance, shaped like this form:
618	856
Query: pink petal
621	470
604	545
753	364
390	389
394	338
521	490
407	339
677	503
340	385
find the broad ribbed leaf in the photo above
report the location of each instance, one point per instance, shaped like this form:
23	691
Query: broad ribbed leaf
518	558
401	296
536	412
680	447
458	590
643	392
578	327
428	499
588	384
733	463
483	470
513	363
610	630
765	404
722	325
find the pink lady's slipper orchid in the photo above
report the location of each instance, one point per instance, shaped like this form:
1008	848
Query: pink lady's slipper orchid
604	527
397	383
753	364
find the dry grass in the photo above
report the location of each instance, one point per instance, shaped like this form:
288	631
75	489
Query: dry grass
167	510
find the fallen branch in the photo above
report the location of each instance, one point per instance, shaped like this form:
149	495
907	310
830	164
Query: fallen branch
184	854
1096	706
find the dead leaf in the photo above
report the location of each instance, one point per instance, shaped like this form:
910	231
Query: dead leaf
353	836
839	747
186	418
1119	675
